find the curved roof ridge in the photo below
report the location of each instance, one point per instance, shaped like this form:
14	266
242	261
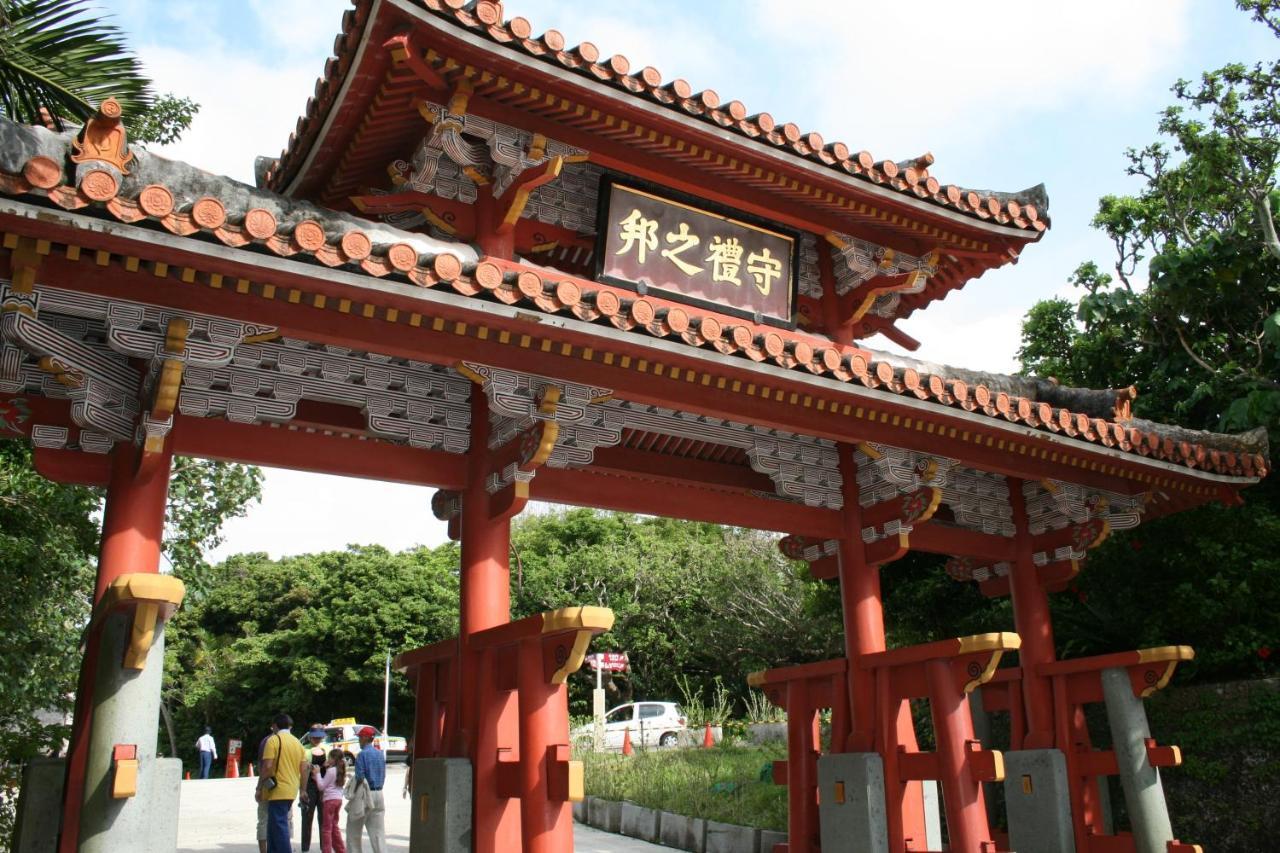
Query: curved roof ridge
1025	210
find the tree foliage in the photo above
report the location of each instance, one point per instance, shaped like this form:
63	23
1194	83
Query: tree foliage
203	496
308	634
47	542
1203	335
57	56
1201	339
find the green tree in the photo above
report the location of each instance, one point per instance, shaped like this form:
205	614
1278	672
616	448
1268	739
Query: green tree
203	496
47	542
689	599
1201	339
307	635
56	56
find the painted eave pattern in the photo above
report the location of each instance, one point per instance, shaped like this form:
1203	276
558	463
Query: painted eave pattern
33	162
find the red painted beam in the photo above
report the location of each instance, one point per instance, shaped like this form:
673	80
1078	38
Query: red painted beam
935	538
678	470
445	347
695	503
300	450
73	466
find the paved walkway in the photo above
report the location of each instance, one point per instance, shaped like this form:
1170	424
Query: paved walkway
220	816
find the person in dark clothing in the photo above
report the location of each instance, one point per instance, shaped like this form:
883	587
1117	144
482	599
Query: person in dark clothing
310	799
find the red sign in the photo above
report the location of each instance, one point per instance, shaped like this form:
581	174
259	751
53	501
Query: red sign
692	254
609	661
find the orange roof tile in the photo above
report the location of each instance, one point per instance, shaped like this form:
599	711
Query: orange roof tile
34	162
1026	210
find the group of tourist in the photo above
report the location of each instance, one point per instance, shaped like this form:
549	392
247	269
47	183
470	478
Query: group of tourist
292	769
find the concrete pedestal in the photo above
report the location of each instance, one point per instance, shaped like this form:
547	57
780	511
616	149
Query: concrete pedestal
440	821
1143	793
1038	797
127	711
851	809
40	806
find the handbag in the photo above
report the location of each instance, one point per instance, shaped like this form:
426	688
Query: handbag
361	799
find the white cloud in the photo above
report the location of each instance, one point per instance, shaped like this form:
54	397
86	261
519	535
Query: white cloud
901	76
643	33
249	102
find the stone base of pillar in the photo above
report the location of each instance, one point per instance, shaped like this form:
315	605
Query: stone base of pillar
40	806
127	712
440	820
1038	798
1143	793
851	808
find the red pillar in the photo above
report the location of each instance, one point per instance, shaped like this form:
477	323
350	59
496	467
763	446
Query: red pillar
494	240
863	608
547	824
132	534
487	718
1034	625
803	781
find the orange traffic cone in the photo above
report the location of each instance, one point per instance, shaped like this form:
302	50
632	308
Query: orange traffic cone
707	740
627	748
233	768
188	776
249	767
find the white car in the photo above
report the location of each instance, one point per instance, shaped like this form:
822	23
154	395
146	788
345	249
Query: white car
650	723
341	734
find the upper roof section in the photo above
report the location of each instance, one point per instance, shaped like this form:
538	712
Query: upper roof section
398	63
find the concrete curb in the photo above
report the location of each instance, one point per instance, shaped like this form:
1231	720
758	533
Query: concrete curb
605	815
639	822
730	838
680	832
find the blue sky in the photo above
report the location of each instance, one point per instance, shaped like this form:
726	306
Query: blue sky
1005	93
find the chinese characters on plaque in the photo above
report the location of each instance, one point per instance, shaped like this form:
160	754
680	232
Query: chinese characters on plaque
692	254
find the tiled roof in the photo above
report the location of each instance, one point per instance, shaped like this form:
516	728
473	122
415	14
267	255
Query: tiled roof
1026	210
188	202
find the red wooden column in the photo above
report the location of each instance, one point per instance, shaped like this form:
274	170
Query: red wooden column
546	820
132	533
863	610
1034	625
488	714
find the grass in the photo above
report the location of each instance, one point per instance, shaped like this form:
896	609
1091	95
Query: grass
729	783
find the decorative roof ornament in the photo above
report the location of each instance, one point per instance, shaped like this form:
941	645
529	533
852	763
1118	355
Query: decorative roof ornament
101	152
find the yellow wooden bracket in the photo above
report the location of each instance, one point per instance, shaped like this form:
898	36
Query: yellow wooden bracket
24	263
518	197
583	623
152	598
165	399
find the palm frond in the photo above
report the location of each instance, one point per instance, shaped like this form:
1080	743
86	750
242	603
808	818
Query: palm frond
55	54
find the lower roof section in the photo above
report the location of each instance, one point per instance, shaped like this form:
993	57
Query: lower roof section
212	246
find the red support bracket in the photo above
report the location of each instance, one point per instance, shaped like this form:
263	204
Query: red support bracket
508	773
405	53
564	776
1163	756
985	765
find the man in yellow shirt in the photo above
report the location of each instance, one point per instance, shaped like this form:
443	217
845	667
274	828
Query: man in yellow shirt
283	765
